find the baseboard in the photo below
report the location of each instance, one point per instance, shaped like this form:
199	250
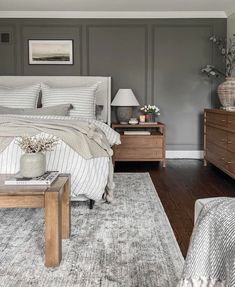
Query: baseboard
193	154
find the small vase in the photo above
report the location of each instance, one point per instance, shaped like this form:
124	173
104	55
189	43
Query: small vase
32	164
150	118
226	92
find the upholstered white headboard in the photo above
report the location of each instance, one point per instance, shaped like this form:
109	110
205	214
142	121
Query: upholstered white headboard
103	94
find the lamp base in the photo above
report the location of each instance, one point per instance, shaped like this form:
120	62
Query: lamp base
124	114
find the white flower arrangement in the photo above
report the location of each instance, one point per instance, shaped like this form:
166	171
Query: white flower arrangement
151	110
34	144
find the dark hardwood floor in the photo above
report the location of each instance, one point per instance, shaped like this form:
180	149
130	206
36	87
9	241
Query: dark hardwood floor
179	185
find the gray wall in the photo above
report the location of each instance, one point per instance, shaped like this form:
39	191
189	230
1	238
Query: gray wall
231	30
159	59
231	25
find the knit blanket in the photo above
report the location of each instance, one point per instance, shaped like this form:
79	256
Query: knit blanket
210	261
85	138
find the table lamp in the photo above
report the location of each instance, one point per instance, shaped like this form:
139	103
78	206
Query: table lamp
124	100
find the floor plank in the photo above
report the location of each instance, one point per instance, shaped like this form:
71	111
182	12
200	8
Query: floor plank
179	185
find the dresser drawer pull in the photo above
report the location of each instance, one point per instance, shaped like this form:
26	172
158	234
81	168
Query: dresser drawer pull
222	158
230	142
223	120
229	162
230	122
223	140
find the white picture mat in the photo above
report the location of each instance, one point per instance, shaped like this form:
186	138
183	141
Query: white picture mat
49	49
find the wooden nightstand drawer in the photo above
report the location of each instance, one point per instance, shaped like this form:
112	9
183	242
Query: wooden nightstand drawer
136	145
138	153
141	141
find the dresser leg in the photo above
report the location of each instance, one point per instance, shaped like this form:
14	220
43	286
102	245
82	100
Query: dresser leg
164	163
205	162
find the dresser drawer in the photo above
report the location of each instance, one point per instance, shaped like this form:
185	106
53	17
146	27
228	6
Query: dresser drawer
138	153
216	136
230	162
216	154
217	119
141	141
219	128
231	142
231	122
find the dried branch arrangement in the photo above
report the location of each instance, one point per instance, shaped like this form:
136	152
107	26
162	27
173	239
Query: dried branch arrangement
34	144
227	51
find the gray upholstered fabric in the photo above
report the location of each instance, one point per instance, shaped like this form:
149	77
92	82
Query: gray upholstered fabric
59	110
128	243
82	99
211	255
21	97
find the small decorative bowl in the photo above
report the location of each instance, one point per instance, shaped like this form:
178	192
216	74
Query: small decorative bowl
133	121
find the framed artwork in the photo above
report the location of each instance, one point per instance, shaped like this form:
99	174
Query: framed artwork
50	52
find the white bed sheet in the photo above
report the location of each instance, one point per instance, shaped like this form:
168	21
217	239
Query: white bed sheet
88	177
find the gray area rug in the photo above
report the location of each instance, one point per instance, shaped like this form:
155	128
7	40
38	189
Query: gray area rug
129	243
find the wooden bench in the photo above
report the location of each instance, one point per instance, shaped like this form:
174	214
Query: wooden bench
55	199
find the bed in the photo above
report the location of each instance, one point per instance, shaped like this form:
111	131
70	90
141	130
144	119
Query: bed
89	176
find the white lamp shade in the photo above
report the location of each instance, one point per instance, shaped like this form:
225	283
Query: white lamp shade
125	98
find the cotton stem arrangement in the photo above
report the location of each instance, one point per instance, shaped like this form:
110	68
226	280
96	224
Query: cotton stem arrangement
34	144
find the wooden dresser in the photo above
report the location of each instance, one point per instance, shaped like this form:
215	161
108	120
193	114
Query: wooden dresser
141	147
219	140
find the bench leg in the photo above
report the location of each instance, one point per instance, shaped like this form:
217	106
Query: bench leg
66	211
53	239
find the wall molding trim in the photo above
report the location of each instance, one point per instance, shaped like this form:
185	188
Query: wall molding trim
114	14
193	154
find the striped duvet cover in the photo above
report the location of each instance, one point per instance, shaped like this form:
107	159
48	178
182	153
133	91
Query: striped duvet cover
88	177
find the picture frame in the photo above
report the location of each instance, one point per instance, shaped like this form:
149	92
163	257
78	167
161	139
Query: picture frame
50	52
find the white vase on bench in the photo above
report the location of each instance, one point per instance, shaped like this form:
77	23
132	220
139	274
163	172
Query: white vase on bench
32	164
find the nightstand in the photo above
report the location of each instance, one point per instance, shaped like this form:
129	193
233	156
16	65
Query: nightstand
141	147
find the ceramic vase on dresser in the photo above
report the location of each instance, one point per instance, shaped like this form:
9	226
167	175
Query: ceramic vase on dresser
226	92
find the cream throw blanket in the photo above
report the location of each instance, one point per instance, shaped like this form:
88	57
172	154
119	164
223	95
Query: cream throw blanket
86	139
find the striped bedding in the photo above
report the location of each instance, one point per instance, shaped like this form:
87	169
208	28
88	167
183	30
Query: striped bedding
81	98
88	177
20	97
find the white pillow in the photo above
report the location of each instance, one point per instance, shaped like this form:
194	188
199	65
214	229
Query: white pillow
81	98
20	97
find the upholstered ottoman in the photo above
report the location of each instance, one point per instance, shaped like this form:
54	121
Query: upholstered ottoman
199	204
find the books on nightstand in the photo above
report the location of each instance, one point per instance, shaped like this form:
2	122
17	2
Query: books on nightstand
148	123
145	133
46	179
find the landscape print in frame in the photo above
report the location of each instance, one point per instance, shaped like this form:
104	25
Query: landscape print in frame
50	52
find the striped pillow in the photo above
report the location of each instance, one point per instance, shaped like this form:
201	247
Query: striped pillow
20	97
81	98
